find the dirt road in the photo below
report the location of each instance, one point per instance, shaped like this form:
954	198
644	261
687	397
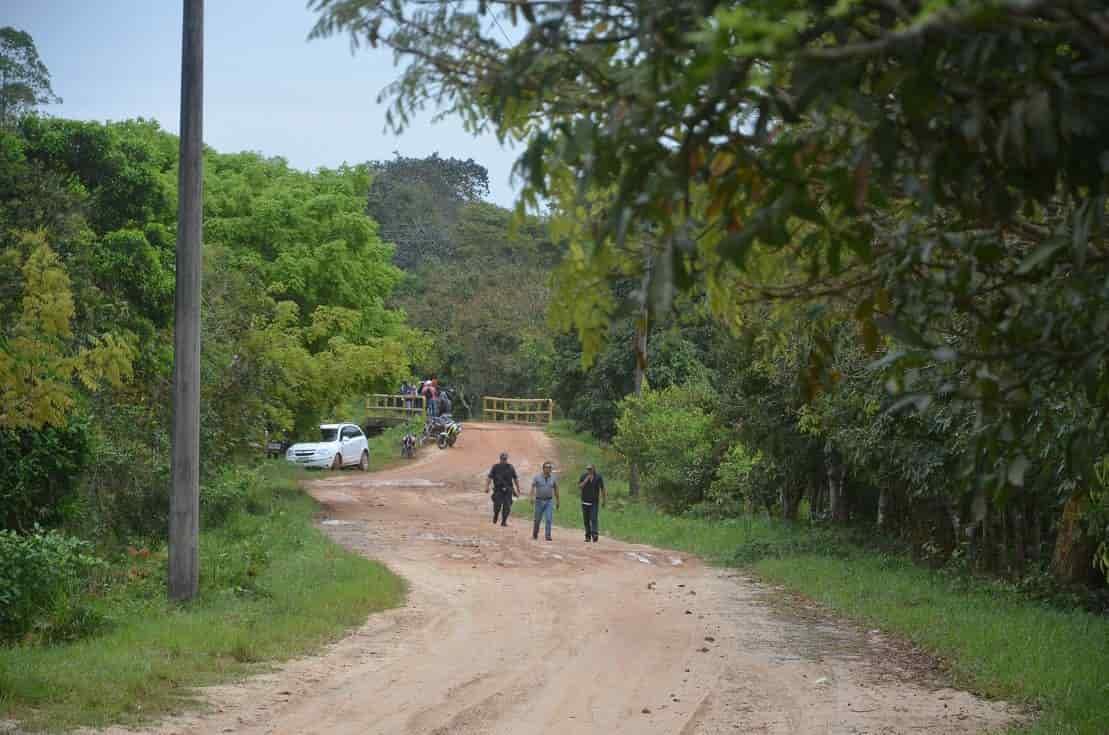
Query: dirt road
502	634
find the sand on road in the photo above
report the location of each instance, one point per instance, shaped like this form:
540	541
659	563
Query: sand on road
502	634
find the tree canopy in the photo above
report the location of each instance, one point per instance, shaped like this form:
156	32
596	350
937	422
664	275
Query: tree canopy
930	175
24	78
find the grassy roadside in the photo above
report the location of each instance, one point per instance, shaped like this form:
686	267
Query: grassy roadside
994	641
272	587
385	447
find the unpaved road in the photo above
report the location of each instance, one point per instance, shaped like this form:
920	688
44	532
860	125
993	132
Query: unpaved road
502	634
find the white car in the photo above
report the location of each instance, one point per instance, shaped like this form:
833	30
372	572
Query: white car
340	445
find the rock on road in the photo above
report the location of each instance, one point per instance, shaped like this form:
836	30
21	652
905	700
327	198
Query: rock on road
502	634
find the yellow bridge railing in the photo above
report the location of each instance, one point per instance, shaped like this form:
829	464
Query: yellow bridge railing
395	406
517	410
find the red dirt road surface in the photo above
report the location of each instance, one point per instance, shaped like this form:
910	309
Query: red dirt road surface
502	634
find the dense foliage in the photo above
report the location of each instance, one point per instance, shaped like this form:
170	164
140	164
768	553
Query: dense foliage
295	288
896	210
417	203
42	577
295	319
476	282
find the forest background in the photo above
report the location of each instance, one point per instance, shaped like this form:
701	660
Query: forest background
913	387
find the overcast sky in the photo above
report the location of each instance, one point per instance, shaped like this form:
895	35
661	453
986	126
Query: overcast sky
267	88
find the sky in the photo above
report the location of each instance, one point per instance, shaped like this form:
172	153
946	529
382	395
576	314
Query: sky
267	88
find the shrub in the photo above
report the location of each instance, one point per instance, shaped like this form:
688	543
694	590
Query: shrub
737	487
41	576
40	474
233	489
127	483
671	435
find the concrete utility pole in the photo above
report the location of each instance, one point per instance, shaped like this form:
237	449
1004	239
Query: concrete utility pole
184	525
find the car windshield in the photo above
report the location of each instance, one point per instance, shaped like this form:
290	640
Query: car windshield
328	435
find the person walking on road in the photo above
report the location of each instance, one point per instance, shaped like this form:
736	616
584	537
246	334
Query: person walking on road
505	484
593	495
544	493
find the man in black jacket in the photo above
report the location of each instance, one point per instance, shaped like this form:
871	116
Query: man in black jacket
593	494
502	476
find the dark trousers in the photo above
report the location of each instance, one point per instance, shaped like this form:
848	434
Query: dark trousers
502	504
589	513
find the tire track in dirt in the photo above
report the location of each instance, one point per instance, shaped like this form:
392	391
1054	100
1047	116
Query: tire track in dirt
505	635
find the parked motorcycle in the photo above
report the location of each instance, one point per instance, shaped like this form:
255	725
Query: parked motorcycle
408	446
449	435
435	426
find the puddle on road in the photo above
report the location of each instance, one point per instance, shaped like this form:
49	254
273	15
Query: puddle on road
466	541
410	482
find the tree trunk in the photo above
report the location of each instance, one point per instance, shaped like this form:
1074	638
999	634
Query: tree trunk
979	530
1073	560
1005	548
640	349
956	519
837	495
1019	536
884	507
790	498
1036	542
818	501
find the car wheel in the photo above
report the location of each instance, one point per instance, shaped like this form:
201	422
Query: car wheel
364	463
337	463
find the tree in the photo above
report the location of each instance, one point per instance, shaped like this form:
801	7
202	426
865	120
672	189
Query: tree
486	305
935	170
40	362
24	79
416	203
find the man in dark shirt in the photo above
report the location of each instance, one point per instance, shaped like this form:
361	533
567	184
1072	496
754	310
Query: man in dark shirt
505	484
593	493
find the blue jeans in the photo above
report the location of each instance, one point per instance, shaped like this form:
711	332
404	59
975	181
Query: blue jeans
544	510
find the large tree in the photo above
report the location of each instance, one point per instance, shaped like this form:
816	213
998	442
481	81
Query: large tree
24	79
417	201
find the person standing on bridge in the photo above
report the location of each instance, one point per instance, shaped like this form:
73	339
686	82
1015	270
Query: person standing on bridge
593	494
505	484
431	395
544	494
445	404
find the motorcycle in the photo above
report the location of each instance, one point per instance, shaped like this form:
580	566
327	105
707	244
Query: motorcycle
408	446
434	427
449	435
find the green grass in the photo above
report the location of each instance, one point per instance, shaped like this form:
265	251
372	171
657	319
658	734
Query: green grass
385	447
994	641
272	587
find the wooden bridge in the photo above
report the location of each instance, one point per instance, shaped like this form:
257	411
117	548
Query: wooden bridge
538	411
385	409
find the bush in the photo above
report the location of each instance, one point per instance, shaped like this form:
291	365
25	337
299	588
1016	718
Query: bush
40	474
233	489
127	484
670	434
738	487
41	576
